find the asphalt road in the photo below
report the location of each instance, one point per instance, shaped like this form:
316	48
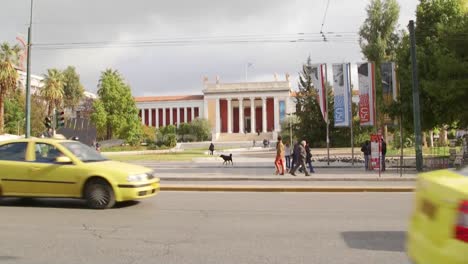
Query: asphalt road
180	227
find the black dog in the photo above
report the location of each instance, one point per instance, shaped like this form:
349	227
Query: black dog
227	159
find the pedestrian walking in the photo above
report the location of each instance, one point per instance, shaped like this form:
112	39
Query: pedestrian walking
301	159
384	153
309	158
287	155
365	149
211	148
279	161
294	154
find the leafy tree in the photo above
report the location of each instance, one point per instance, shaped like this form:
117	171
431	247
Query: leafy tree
14	113
312	127
201	129
73	90
9	56
149	134
52	92
441	38
115	111
378	41
38	114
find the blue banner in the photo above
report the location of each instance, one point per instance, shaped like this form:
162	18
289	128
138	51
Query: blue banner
342	92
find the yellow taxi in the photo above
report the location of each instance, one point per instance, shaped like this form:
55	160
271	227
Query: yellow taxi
438	231
37	167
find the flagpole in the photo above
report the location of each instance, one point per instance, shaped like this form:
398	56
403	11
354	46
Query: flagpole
351	112
328	119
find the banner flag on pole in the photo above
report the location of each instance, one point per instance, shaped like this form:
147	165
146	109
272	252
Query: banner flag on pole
342	89
318	80
366	76
389	86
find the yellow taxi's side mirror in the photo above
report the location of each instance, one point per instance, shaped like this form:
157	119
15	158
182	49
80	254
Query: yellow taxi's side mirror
63	160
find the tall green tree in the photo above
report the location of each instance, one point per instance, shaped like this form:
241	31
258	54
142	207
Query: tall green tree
15	113
312	126
378	41
52	92
441	39
73	90
9	57
115	111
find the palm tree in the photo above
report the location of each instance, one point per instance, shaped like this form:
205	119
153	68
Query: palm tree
9	57
52	92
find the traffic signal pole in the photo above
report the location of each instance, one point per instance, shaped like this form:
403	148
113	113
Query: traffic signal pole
416	108
28	77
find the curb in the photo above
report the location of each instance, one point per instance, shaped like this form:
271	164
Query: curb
291	179
246	188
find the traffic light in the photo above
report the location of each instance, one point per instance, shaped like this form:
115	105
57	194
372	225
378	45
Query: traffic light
48	122
60	119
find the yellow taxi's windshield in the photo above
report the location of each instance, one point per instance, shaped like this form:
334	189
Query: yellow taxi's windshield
83	152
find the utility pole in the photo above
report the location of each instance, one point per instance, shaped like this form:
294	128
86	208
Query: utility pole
28	77
416	109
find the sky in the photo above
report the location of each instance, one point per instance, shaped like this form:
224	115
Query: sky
176	47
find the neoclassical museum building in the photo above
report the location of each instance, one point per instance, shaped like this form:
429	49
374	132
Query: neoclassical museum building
236	111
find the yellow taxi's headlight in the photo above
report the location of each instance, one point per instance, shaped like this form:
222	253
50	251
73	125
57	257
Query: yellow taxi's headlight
137	177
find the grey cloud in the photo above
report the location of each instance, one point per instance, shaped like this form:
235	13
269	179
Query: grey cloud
180	69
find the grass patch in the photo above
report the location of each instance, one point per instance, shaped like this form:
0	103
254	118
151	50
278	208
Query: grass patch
436	151
176	156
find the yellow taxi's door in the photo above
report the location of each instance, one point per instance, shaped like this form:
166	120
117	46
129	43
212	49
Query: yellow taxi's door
14	178
52	179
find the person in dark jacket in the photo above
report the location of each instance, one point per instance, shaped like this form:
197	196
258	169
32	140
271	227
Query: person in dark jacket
301	158
211	148
294	154
309	158
365	149
384	153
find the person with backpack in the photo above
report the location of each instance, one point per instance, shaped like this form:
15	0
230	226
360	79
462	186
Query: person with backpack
365	149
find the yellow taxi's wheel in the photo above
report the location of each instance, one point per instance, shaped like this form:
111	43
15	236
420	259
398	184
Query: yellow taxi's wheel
99	194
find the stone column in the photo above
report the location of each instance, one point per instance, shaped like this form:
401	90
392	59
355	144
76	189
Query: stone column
150	117
157	117
193	113
218	117
252	115
264	115
164	116
143	119
229	115
178	117
276	114
205	109
241	115
185	115
171	116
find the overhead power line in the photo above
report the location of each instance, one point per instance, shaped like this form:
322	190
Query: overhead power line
323	21
342	37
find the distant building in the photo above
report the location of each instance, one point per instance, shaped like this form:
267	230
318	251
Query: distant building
234	110
36	82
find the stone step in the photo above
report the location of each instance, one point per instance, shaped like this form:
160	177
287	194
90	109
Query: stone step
226	137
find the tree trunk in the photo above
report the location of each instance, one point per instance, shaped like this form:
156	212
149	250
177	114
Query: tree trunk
443	136
431	138
2	109
424	140
49	110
